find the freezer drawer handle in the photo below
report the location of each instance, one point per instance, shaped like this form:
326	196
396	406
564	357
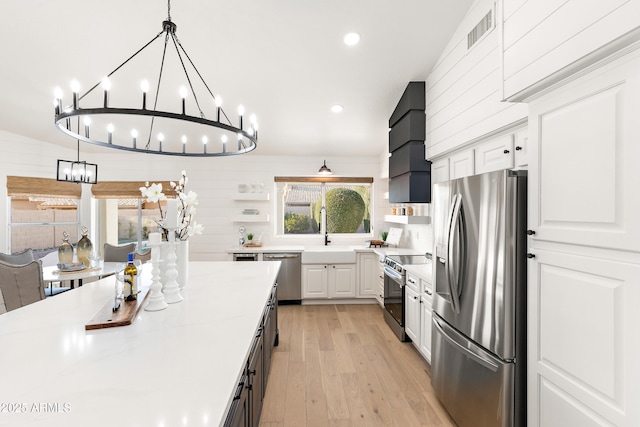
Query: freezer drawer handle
472	353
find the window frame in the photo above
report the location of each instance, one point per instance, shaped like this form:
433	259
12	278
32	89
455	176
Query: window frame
323	180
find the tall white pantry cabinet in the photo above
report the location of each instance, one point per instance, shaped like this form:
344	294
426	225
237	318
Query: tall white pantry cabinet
584	277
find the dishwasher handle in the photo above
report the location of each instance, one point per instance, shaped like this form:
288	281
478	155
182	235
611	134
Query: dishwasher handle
287	256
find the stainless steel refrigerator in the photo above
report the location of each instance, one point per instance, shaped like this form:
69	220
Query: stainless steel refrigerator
479	331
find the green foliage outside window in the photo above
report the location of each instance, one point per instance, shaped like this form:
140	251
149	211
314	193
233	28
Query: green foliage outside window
296	223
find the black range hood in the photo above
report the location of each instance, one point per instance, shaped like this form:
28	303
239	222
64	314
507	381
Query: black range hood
409	171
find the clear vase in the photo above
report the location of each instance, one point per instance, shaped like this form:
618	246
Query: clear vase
84	248
65	250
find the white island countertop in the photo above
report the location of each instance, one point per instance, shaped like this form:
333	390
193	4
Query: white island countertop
176	367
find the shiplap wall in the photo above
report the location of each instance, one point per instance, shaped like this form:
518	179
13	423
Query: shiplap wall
214	179
542	37
464	90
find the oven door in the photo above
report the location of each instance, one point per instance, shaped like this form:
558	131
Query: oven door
394	294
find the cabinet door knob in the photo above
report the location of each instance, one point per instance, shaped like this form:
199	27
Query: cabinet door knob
530	232
506	151
518	148
530	256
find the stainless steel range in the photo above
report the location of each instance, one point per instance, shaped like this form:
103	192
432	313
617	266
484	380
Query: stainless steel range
394	280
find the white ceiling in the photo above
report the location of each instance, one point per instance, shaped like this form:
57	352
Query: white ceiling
284	60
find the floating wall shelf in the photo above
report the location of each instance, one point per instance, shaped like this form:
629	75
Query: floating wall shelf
251	196
251	218
408	219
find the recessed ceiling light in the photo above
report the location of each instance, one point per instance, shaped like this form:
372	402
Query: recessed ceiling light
337	108
351	39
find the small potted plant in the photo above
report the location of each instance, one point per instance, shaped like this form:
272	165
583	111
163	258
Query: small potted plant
384	235
250	237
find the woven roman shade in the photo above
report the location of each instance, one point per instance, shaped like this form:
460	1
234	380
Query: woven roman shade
21	186
124	189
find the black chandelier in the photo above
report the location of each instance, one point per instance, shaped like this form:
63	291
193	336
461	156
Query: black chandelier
132	129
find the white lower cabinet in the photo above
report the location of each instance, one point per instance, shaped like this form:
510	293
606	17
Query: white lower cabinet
367	274
425	323
412	315
328	281
380	292
418	315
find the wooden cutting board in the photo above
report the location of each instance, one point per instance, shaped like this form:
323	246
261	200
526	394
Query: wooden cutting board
107	318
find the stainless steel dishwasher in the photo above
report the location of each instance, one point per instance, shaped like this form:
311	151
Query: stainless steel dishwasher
289	278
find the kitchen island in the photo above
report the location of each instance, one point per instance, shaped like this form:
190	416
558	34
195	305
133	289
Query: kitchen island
176	367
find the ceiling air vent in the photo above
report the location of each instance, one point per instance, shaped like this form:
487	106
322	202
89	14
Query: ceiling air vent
485	24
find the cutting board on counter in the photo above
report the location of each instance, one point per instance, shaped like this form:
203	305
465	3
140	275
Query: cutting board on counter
393	238
107	318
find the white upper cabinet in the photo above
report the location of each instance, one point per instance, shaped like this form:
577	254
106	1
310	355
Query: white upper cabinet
495	154
440	170
586	170
461	164
545	41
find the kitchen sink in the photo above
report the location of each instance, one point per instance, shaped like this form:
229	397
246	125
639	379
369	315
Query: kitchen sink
329	254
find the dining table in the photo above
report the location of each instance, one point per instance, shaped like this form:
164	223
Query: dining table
53	273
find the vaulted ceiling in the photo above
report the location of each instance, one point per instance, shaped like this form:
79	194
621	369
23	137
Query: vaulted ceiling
284	60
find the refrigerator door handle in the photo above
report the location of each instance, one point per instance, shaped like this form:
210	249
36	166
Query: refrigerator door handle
454	290
469	350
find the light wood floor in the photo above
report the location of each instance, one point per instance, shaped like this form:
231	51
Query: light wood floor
340	365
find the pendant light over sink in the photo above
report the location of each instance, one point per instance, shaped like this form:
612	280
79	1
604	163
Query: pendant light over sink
191	124
324	170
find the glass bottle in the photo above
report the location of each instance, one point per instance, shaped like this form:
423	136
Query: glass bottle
130	280
84	248
65	251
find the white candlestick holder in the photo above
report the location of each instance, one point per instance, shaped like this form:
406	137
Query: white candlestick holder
155	301
171	288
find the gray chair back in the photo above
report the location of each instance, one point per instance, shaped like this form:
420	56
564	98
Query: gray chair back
21	258
21	284
143	257
3	308
118	253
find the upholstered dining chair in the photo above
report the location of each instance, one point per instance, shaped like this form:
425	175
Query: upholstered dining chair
3	308
21	284
117	253
21	258
143	257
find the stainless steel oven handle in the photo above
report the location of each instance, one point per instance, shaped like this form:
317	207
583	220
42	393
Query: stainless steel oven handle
393	274
450	335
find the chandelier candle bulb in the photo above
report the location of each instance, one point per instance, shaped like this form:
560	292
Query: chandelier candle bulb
110	133
106	86
87	123
224	138
218	102
241	113
184	143
172	214
183	95
204	143
75	88
134	134
145	88
160	139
